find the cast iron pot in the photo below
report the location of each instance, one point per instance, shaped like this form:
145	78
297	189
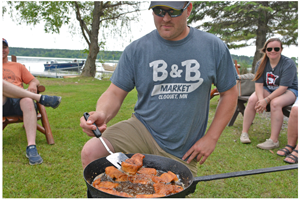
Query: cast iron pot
166	164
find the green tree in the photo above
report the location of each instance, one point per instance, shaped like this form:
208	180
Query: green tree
295	60
90	15
238	22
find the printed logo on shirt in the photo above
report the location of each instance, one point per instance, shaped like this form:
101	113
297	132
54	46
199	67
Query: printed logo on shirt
270	80
9	75
175	90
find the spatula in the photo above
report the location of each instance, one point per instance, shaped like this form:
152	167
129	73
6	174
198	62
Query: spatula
115	158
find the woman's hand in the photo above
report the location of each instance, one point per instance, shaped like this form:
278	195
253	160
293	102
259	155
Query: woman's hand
261	105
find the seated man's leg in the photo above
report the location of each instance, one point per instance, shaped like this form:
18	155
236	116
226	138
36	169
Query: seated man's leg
93	150
29	119
12	107
30	124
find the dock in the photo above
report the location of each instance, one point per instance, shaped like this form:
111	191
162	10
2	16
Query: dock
63	74
50	74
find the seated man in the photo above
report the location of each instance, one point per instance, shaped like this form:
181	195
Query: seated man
17	101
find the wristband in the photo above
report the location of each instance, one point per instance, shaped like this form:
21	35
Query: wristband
266	100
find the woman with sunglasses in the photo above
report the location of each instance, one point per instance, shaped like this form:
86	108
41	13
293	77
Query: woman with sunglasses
276	83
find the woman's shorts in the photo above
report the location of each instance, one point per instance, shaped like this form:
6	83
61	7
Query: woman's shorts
290	89
131	136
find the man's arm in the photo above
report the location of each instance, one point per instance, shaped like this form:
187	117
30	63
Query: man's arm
110	102
107	108
33	85
206	145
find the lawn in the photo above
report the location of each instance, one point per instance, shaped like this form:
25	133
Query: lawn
61	174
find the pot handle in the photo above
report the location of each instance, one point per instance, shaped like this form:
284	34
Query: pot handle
244	173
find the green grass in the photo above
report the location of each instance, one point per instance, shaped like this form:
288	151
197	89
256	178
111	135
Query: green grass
61	174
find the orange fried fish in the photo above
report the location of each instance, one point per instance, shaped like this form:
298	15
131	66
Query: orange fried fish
167	189
140	179
105	184
115	174
114	192
166	177
149	171
132	165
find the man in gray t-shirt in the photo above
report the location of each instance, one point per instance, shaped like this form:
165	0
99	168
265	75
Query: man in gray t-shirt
172	69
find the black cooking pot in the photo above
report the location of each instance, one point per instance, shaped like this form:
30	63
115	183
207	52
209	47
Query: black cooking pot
166	164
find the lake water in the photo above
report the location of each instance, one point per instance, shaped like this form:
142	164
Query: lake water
36	64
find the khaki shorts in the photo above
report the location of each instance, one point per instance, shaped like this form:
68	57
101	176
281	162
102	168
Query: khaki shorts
131	136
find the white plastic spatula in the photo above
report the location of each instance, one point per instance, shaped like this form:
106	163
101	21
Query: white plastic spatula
115	158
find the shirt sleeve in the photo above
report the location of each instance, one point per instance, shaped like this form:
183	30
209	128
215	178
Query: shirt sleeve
26	75
226	73
288	73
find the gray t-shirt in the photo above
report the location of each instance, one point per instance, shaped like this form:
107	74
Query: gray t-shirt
173	80
284	74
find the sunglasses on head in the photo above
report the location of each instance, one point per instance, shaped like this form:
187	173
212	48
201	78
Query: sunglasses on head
276	49
173	13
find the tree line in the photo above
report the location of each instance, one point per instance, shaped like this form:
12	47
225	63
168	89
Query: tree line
61	53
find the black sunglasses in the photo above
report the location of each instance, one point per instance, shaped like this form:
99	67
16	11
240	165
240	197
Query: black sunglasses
173	13
276	49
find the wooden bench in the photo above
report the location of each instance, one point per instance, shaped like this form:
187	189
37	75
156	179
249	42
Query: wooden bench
240	108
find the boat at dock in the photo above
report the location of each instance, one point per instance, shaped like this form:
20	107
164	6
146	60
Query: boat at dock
74	65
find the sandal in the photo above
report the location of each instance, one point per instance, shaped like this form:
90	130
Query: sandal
286	151
293	157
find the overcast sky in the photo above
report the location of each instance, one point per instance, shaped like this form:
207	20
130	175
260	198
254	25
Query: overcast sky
35	37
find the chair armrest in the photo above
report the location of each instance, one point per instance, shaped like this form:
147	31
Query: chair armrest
40	88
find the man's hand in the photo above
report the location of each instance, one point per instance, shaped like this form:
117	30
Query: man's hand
95	117
32	87
200	150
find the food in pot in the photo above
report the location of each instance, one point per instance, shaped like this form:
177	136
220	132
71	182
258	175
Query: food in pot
137	181
133	164
115	174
